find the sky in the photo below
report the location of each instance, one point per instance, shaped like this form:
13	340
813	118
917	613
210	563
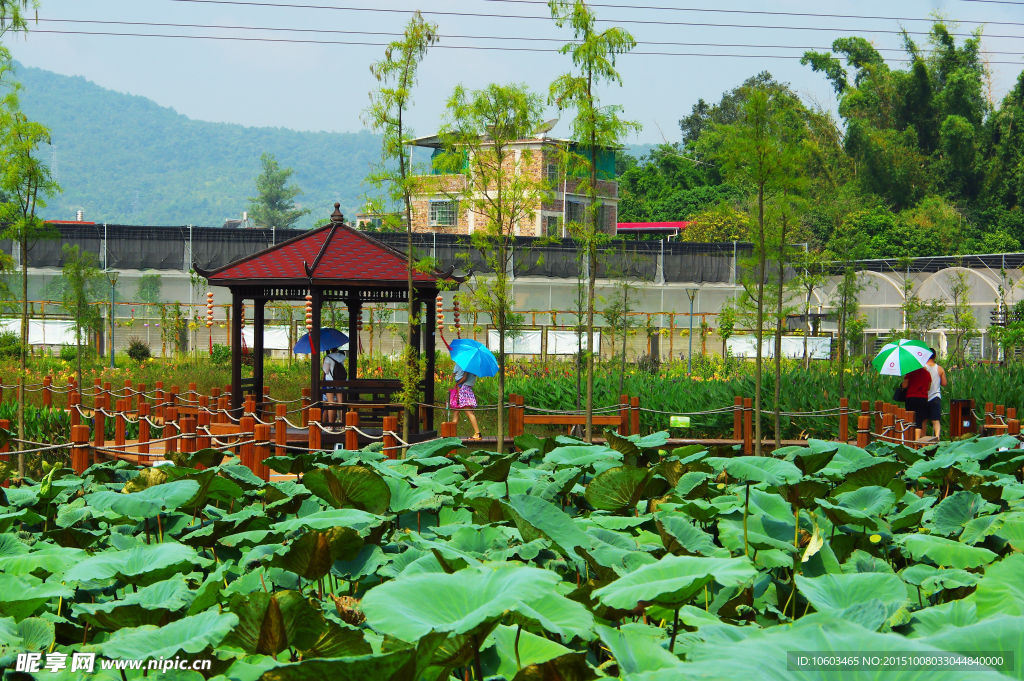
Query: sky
324	87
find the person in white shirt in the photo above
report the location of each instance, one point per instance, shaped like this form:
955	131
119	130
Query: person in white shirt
334	370
938	375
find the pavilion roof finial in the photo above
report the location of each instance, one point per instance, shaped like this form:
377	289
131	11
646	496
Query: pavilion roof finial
336	216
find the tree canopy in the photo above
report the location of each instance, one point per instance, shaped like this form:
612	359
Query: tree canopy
274	204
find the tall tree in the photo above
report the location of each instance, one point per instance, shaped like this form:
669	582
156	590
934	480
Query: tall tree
480	135
273	207
846	247
595	128
389	106
81	281
762	154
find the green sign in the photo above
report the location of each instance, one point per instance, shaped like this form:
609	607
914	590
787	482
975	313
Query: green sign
679	421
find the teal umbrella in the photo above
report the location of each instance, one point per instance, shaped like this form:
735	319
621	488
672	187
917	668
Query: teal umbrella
473	357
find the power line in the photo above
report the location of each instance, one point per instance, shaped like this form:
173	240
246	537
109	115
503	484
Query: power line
249	3
762	12
441	46
454	36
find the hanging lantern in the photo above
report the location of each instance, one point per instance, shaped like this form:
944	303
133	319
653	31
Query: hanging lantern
209	309
359	321
309	313
242	320
455	314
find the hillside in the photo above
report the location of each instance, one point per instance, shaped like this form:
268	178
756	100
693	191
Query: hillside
123	158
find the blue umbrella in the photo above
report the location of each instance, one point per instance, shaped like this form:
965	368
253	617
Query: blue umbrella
329	338
474	357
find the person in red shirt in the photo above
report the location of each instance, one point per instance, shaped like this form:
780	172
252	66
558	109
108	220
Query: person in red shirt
917	383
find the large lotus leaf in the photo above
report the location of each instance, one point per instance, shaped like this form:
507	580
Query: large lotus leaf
425	450
556	614
808	460
868	501
460	603
618	488
955	511
1001	590
581	456
149	605
775	472
558	485
23	595
142	565
945	552
189	635
11	546
910	516
251	538
406	498
495	471
350	487
977	529
207	458
763	533
285	497
996	635
862	561
208	593
539	519
624	445
312	555
369	559
939	618
834	593
846	457
949	579
403	664
1012	531
674	580
636	653
339	640
681	537
765	654
49	559
270	623
30	634
531	649
361	521
147	503
881	474
703	511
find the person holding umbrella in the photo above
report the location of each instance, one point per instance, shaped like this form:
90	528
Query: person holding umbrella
909	358
472	359
331	342
334	370
462	398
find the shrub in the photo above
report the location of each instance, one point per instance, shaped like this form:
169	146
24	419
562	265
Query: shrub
69	353
221	354
10	345
138	350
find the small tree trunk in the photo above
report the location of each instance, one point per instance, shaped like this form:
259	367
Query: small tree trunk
758	360
23	352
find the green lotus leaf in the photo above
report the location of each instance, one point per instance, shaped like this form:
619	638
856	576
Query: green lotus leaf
674	580
1001	590
350	487
495	471
147	503
460	603
369	559
977	529
754	469
636	653
531	649
270	623
808	460
11	546
945	552
581	456
403	664
618	488
30	634
995	634
425	450
539	519
834	593
312	555
361	521
955	511
1012	531
141	566
949	579
681	537
939	618
561	482
556	614
285	497
405	498
149	605
862	561
23	595
208	458
189	635
339	641
868	501
208	593
49	559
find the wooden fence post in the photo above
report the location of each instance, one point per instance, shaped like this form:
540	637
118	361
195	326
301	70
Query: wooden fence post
119	423
989	420
863	428
748	417
314	427
1012	427
140	397
280	429
247	453
624	415
390	443
878	416
261	450
99	421
74	399
203	430
47	391
222	409
129	398
351	436
143	428
158	399
737	418
170	430
188	434
844	420
80	448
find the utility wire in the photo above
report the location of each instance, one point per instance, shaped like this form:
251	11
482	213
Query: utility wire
249	3
441	46
454	36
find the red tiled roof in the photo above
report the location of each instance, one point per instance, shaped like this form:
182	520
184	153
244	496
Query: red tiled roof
350	256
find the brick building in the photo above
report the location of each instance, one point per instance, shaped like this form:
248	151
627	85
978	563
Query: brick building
438	213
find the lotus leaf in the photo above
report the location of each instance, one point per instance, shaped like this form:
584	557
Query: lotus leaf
674	580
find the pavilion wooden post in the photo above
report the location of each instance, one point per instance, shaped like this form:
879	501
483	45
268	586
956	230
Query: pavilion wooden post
47	391
748	437
281	429
236	351
259	306
390	442
5	424
79	448
261	450
223	404
314	349
737	417
143	428
354	308
844	419
351	436
314	428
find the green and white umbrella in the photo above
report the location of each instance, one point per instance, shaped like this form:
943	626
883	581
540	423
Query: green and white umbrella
902	357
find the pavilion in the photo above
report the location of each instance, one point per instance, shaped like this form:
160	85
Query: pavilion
332	263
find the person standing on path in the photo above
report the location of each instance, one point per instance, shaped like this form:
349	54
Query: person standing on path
938	375
462	398
917	383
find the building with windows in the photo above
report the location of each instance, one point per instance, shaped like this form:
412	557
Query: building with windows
438	213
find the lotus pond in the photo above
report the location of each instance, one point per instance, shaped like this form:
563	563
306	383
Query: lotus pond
561	560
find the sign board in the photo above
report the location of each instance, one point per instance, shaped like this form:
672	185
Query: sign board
526	343
818	347
679	421
567	343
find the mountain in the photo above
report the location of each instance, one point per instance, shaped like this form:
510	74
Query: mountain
125	159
